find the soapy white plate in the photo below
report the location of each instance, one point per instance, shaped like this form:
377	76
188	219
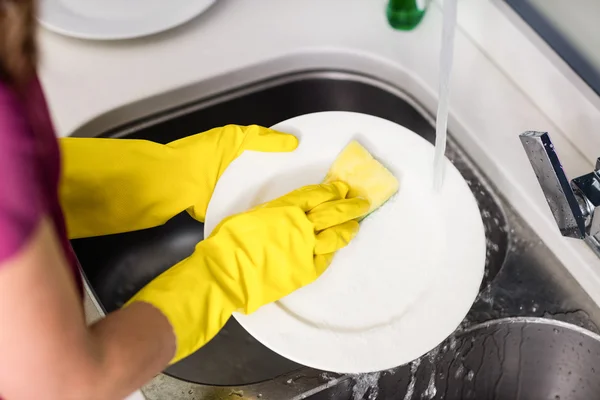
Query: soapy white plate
117	19
402	286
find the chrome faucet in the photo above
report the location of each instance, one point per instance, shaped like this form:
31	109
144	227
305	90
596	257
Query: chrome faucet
575	204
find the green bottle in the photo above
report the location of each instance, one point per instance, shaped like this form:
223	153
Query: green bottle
406	14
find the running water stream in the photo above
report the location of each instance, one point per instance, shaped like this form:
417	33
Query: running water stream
441	121
367	384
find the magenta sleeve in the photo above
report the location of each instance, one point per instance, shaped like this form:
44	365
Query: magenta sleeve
21	201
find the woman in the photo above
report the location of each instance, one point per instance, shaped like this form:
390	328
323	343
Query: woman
46	349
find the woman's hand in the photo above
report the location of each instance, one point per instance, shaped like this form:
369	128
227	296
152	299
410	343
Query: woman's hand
211	152
252	259
119	185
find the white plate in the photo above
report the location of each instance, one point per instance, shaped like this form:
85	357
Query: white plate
403	284
117	19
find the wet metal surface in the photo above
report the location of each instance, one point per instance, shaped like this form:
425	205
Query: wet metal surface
522	277
518	358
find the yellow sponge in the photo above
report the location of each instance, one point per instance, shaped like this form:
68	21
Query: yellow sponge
366	177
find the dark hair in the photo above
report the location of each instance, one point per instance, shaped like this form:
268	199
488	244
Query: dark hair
18	53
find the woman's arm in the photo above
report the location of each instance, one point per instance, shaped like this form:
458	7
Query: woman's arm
249	260
46	347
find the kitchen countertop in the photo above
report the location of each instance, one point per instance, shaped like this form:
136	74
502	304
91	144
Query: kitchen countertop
505	81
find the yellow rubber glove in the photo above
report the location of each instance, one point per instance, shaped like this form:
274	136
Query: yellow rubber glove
119	185
252	259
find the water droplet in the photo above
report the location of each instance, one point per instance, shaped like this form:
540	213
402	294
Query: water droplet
414	366
470	375
326	377
459	372
366	383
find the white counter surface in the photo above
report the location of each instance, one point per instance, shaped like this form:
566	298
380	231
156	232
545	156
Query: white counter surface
505	81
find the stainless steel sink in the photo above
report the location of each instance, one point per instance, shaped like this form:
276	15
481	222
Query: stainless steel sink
522	278
518	358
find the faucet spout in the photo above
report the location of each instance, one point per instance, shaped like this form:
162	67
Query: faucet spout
567	205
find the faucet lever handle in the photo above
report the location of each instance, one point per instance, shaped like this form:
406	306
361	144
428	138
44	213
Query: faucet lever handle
567	210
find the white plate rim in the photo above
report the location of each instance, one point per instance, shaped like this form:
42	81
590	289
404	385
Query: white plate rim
458	304
106	35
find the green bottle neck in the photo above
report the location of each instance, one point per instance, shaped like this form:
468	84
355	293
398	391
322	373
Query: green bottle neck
406	14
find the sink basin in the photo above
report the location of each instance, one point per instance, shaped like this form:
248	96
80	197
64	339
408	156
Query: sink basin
507	359
522	278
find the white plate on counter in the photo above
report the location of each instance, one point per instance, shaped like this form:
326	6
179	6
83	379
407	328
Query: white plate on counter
402	286
117	19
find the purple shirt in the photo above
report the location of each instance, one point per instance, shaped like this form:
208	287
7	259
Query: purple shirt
29	172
